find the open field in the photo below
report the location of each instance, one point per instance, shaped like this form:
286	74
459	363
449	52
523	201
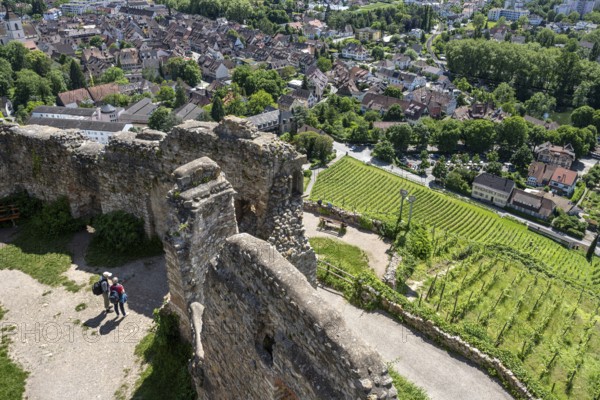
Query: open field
352	185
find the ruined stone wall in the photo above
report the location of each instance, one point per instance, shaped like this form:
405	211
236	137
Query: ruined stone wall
259	329
133	173
266	334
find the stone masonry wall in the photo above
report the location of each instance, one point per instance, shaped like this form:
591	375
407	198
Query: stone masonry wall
266	334
133	173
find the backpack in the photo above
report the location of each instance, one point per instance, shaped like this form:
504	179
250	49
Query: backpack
114	297
97	288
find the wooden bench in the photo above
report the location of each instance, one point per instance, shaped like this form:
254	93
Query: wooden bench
9	213
329	224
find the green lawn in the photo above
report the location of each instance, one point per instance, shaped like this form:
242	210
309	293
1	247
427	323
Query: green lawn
44	259
12	377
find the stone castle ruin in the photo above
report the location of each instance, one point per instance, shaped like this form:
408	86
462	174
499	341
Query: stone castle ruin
226	201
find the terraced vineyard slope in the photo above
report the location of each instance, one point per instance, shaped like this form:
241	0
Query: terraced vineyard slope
352	185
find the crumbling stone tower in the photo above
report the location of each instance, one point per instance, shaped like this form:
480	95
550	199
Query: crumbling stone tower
246	301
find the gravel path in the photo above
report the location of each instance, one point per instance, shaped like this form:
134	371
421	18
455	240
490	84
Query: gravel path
66	359
370	243
443	375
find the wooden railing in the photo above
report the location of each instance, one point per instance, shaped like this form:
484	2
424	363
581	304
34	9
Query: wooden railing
330	268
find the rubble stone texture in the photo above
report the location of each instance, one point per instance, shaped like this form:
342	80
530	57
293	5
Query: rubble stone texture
246	300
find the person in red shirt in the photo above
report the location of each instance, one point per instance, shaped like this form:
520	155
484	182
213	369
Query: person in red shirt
121	297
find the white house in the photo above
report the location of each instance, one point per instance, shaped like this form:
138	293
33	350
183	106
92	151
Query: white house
95	130
356	52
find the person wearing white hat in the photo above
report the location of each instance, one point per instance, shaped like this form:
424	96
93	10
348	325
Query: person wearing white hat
105	290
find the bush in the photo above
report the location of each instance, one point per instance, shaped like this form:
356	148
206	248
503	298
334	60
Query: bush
307	173
418	242
55	219
570	225
119	230
579	190
365	222
26	204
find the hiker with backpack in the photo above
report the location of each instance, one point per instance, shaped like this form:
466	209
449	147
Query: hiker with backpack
102	288
118	296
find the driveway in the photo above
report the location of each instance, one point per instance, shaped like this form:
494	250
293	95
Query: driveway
443	375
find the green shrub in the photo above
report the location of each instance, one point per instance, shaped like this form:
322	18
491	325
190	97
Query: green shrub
119	230
418	242
55	219
307	173
365	222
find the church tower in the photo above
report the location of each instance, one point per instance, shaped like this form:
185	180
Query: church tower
13	26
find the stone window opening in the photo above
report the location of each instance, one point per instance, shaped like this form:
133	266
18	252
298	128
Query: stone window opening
298	183
265	344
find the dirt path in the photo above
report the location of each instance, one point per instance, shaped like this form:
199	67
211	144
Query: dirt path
66	359
370	243
443	375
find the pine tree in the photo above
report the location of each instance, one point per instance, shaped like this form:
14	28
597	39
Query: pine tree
305	83
76	76
217	111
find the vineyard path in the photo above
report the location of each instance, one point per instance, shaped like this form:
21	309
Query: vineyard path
443	375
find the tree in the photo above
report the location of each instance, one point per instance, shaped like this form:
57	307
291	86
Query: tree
76	76
479	135
114	74
399	136
258	102
38	62
393	91
595	52
384	150
166	95
456	182
448	136
511	133
29	86
378	53
181	97
304	83
582	139
440	169
96	41
522	158
6	77
540	104
117	100
217	112
187	70
57	81
287	72
421	135
582	116
324	64
478	21
38	7
15	52
522	21
162	119
394	113
503	94
314	145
